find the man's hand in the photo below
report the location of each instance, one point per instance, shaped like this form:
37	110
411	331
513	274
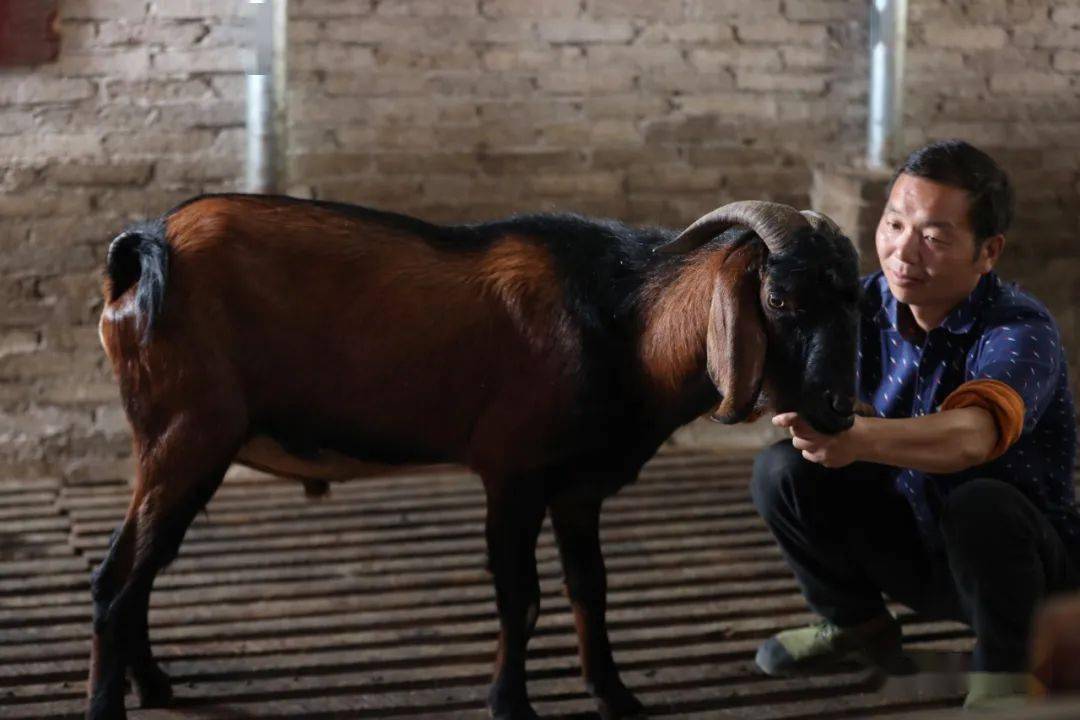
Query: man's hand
832	451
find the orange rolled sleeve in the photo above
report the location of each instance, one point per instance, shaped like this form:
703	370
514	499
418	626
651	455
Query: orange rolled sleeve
999	399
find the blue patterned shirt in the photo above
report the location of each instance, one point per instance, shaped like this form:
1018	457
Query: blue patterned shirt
999	332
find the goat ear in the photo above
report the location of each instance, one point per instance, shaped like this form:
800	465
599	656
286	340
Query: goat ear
736	341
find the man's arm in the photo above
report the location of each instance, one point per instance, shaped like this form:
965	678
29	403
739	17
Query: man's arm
943	442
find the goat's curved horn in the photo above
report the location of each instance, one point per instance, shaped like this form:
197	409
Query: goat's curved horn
822	223
774	223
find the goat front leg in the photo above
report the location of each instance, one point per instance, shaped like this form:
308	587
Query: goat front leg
515	511
575	518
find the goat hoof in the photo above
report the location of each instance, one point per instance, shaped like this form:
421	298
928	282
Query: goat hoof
519	711
106	707
153	687
620	704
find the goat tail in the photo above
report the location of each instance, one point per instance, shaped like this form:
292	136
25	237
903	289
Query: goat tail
140	255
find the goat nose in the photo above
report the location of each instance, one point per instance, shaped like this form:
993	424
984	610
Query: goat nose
842	404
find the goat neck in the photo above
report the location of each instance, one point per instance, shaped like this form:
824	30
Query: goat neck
674	311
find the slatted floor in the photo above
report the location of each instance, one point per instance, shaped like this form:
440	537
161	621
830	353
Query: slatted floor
373	602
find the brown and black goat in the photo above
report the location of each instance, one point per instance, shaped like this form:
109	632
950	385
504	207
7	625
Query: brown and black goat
550	354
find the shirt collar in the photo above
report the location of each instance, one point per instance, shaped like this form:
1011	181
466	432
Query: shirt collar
959	320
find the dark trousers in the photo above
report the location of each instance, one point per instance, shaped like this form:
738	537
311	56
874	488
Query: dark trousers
849	537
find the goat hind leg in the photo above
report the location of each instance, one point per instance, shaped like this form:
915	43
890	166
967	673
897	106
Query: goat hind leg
172	486
576	522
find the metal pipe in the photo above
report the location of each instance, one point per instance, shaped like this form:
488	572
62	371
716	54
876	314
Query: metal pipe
888	42
264	171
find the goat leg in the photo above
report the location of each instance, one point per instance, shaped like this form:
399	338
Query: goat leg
514	517
575	517
173	483
151	682
105	688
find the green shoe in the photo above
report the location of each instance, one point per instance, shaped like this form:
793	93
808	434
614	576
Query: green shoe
875	642
996	691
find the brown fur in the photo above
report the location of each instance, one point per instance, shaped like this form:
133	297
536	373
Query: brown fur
707	318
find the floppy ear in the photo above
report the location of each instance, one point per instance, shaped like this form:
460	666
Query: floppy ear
735	343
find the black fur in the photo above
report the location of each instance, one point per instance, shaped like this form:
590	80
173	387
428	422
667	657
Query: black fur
140	255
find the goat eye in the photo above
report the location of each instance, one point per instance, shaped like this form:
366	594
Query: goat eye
775	301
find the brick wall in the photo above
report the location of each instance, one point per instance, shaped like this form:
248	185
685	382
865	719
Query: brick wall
1006	76
648	111
144	108
651	111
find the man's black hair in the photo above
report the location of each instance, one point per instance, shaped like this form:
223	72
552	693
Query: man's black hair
960	164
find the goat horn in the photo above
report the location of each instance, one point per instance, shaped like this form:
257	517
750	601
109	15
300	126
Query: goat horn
774	223
823	224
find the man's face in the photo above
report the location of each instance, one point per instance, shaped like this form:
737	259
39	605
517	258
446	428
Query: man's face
926	244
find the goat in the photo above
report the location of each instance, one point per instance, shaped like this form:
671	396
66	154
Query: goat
551	354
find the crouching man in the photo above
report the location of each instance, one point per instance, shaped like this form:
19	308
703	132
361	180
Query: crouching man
956	499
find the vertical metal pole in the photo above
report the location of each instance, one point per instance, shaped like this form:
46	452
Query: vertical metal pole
264	169
888	42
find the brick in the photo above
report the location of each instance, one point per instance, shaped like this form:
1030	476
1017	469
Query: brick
194	172
451	57
328	8
601	57
329	56
730	104
148	32
328	165
220	114
71	146
710	60
530	8
812	58
978	37
672	178
188	62
723	9
561	82
649	9
1067	61
1066	16
1058	37
776	82
90	471
825	10
620	106
131	63
523	59
36	89
140	202
576	184
18	342
38	204
111	421
676	80
155	144
1028	83
76	392
585	31
457	84
427	8
159	90
528	161
15	122
16	178
197	9
685	34
773	31
233	33
100	9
